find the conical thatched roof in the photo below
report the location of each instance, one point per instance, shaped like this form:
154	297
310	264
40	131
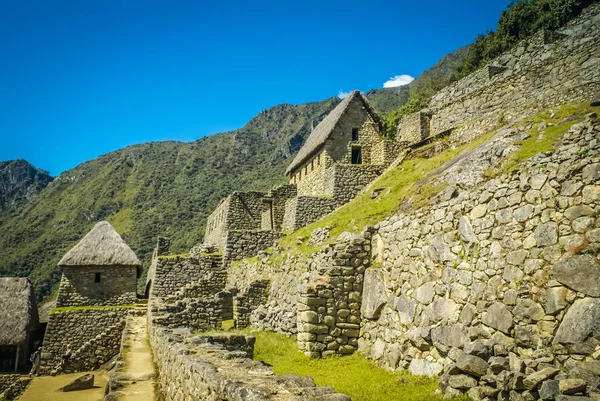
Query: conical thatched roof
102	246
18	310
318	137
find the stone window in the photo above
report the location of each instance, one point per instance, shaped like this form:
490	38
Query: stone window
356	155
355	134
98	278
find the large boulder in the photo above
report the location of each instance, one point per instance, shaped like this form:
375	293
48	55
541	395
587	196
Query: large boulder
81	383
579	272
374	297
472	364
579	330
422	367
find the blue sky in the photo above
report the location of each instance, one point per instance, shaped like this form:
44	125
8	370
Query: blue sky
82	78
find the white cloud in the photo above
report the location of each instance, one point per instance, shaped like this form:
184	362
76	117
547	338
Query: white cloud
398	80
342	94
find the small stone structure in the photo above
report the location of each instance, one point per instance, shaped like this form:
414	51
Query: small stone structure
101	270
19	320
221	367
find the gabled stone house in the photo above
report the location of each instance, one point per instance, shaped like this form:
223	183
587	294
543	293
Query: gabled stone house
18	323
100	270
349	135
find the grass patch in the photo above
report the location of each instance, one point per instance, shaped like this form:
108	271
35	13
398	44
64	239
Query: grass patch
355	376
399	184
121	221
541	141
72	308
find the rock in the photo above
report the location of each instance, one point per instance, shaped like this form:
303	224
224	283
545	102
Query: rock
546	234
591	193
595	100
589	371
579	330
374	296
423	367
446	337
534	379
461	382
472	364
498	317
528	309
572	386
482	393
465	231
498	364
579	272
81	383
591	173
549	390
424	294
572	398
556	300
406	308
478	211
378	349
579	211
478	348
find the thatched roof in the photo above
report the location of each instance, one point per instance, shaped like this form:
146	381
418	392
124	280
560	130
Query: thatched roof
102	246
18	310
317	138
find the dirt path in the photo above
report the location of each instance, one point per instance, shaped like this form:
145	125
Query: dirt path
139	367
45	388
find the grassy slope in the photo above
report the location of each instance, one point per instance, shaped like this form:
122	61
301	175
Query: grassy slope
411	180
353	375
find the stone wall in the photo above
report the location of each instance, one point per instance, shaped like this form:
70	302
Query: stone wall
248	300
303	210
329	300
543	71
274	206
193	313
217	225
245	243
169	274
345	181
496	287
78	286
310	176
193	367
414	128
385	152
278	313
12	385
78	327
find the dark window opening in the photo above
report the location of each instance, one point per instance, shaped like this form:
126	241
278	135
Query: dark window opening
355	134
97	278
356	156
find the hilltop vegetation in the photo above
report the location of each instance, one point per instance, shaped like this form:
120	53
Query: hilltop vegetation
519	21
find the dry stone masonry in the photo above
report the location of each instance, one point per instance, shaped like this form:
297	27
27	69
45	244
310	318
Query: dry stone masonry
221	367
496	288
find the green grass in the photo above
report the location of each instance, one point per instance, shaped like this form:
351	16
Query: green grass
405	182
541	141
354	375
72	308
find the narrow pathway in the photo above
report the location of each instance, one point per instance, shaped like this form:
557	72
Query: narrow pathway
46	388
139	367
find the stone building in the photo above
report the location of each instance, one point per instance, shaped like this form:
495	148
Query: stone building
18	323
350	134
100	270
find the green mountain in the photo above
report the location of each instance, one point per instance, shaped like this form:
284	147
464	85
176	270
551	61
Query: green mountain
152	189
159	188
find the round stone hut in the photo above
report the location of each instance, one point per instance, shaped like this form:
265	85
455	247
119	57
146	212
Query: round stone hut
101	270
